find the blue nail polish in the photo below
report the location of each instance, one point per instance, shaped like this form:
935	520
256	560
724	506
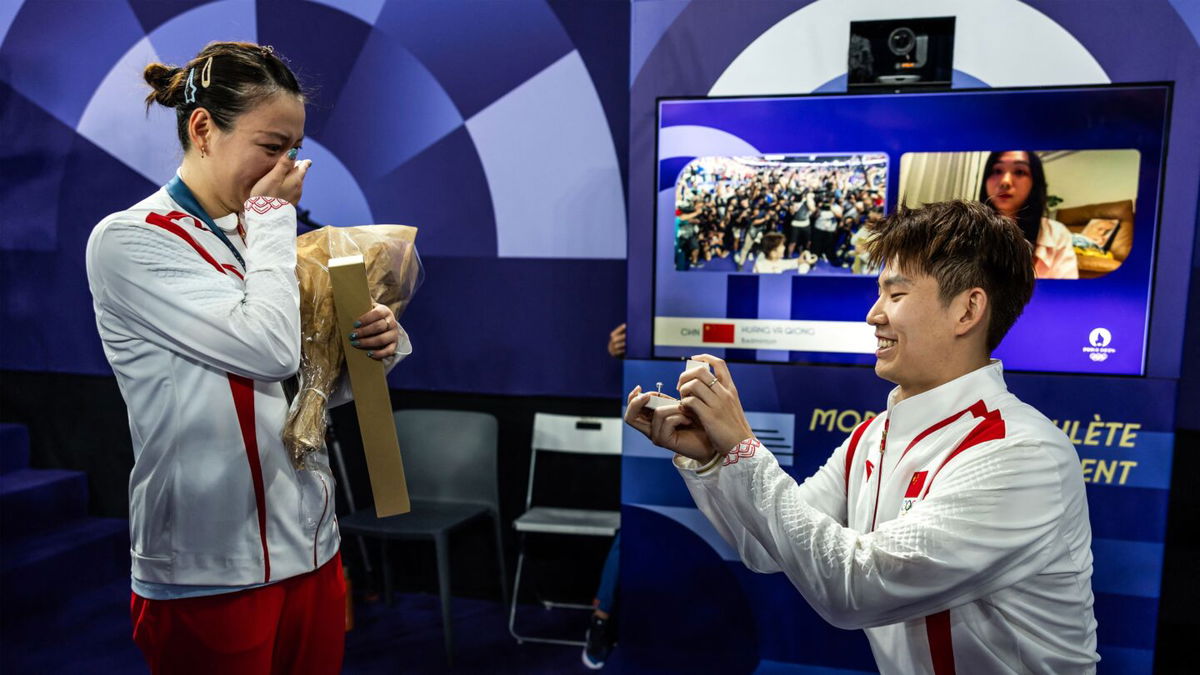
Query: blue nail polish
354	336
357	324
293	152
354	343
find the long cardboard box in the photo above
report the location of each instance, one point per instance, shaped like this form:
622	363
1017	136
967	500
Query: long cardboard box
352	299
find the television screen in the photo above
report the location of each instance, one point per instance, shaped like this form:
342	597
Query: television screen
764	206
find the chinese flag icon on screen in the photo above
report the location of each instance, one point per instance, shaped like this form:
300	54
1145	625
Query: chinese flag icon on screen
717	332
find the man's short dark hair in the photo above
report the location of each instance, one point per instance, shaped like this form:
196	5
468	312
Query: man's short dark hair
962	245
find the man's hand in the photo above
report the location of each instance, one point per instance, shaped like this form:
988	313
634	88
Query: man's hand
616	342
712	399
377	332
667	427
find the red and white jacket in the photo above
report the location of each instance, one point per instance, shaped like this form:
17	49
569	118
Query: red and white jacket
199	347
953	528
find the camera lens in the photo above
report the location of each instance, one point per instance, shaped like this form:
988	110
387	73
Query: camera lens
901	41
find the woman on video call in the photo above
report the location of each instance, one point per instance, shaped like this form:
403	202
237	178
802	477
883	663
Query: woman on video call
1014	184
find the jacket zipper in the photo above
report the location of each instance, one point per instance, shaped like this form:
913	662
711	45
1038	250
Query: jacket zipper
324	508
879	473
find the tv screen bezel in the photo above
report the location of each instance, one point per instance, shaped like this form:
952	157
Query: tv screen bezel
1169	87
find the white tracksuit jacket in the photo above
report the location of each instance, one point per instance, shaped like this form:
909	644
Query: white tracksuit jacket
962	544
199	347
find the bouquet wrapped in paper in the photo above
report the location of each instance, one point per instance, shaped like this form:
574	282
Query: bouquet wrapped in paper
393	275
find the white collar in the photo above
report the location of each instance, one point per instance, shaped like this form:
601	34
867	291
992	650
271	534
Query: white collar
916	413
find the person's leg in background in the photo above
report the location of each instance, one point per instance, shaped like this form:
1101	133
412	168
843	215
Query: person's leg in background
601	634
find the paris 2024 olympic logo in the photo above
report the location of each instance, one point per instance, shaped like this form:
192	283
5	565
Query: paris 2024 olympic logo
1098	341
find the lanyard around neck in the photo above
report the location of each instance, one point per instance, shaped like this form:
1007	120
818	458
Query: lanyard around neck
183	196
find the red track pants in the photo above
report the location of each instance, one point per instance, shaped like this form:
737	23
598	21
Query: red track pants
294	626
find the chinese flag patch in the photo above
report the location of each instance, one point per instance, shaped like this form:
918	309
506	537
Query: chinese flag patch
915	485
717	332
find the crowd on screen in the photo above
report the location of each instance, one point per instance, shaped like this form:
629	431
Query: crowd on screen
775	215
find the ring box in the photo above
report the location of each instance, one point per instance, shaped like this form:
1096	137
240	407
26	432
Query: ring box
657	402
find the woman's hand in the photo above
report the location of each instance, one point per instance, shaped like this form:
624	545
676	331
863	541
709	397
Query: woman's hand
377	332
712	398
284	181
667	427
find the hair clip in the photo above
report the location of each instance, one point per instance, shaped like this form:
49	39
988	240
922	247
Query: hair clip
189	88
206	73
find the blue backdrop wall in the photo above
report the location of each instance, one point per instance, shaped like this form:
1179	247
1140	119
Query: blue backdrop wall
502	129
498	128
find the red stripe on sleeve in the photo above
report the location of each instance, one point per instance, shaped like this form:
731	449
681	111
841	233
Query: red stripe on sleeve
166	223
921	436
854	439
243	402
941	649
991	427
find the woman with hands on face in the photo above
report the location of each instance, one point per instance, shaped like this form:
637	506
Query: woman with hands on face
235	565
377	332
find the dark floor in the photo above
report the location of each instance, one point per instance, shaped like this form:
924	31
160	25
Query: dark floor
91	634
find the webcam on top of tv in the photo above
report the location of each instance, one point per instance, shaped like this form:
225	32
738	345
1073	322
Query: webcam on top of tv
899	54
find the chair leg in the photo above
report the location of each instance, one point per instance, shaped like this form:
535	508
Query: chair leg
516	593
500	558
443	565
387	572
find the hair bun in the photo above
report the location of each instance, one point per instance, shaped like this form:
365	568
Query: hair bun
166	81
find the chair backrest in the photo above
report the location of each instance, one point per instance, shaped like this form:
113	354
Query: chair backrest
571	434
449	455
568	433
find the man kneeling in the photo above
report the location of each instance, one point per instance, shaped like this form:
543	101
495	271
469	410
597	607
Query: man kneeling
954	526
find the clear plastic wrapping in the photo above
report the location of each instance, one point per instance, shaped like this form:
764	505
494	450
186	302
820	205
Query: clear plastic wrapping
394	273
